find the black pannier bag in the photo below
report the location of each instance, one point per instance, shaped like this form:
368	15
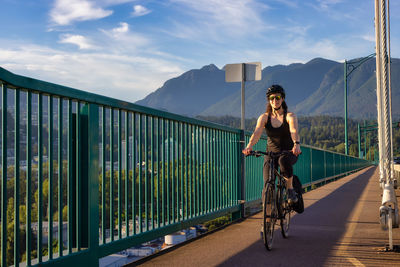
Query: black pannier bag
299	205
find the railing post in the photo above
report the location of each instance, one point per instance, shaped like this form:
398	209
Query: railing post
359	140
241	179
242	174
93	182
4	177
346	144
325	173
75	177
84	171
311	167
89	204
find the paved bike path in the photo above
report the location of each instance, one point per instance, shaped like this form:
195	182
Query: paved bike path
339	227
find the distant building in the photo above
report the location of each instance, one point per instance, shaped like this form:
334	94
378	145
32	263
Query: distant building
141	251
181	236
45	231
114	260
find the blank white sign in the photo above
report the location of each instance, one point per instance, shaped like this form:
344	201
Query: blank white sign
233	72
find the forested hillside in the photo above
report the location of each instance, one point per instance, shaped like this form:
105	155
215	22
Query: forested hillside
323	132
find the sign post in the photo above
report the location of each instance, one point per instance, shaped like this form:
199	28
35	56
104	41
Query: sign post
242	72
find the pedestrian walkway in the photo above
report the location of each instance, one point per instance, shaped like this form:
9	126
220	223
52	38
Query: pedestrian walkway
339	227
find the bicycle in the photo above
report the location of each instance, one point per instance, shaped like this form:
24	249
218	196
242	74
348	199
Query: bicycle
275	204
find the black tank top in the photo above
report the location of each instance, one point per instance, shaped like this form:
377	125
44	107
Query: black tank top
278	138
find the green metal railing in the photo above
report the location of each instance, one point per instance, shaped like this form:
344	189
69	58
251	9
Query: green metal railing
313	166
84	176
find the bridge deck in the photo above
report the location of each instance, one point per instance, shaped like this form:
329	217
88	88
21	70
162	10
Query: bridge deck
339	227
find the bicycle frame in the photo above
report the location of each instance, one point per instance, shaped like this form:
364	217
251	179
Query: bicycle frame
277	184
275	206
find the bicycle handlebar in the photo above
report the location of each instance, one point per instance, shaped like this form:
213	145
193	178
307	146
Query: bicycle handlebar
258	153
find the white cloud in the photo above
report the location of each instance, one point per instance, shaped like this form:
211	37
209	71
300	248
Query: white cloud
81	41
326	4
113	2
302	49
65	12
218	19
299	30
289	3
124	27
368	37
298	49
333	11
121	39
139	10
127	76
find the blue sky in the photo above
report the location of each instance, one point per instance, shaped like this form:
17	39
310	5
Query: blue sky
128	48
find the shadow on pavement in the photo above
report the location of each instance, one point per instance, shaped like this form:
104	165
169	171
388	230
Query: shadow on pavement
313	234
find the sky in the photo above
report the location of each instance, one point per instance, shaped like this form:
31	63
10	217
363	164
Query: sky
126	49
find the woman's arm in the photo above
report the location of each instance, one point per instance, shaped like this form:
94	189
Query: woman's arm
293	127
256	134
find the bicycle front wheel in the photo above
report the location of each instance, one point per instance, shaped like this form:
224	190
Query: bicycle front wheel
284	212
269	210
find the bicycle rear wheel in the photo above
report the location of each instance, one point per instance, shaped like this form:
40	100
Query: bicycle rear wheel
269	210
284	212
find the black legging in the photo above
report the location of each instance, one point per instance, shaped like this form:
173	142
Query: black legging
285	162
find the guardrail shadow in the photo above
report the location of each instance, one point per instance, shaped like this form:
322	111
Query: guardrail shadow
313	234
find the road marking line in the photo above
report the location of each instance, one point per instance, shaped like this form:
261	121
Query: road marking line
355	262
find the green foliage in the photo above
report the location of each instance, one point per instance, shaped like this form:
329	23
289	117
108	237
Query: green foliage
328	133
217	223
65	213
322	131
55	216
10	243
230	121
22	216
340	148
10	210
353	149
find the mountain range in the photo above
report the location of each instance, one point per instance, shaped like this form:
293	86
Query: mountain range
312	88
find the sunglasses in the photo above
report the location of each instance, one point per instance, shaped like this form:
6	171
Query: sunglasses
277	97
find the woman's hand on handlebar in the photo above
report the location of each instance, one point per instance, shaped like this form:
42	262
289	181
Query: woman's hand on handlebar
296	149
247	151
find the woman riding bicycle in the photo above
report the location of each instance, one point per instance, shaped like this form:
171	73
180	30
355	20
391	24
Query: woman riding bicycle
282	130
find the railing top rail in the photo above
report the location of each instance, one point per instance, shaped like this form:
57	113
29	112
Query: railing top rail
248	133
26	83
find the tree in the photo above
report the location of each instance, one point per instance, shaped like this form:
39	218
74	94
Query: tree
353	150
10	231
340	148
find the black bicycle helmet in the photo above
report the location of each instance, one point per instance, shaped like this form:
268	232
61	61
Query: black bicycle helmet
276	89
